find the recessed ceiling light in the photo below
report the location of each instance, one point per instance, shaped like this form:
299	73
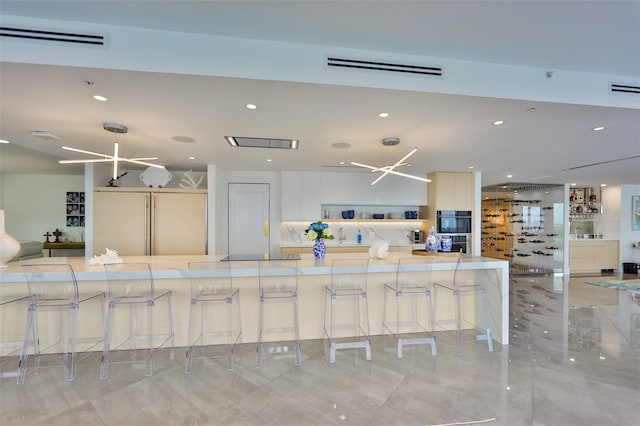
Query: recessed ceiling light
573	184
191	158
498	122
269	160
250	106
509	176
341	163
599	128
183	139
3	141
100	98
602	185
383	115
471	167
341	145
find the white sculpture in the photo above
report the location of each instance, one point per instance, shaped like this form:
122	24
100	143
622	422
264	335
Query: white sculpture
106	258
379	249
188	181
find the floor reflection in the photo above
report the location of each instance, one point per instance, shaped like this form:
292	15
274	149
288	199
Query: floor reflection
574	359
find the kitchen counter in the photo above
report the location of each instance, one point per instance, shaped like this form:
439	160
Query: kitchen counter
593	255
171	272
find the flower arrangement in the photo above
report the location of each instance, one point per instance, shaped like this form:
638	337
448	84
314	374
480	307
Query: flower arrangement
318	230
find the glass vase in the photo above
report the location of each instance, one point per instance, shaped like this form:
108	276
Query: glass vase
319	249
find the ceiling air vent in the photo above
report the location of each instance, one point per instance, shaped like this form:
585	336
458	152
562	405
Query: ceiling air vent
63	37
244	142
625	88
383	66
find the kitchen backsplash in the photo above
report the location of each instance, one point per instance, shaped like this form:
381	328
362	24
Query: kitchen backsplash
395	233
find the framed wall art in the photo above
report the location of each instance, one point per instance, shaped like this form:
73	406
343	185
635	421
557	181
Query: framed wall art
75	209
635	212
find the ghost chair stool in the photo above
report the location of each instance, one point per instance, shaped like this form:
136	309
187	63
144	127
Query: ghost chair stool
407	306
346	314
278	285
54	288
214	312
466	285
132	288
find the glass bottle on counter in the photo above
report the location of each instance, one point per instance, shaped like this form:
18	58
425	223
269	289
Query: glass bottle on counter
359	237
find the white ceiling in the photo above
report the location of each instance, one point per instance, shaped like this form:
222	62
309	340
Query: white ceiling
452	132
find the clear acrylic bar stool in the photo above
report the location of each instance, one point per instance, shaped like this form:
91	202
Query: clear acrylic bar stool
131	287
349	328
12	302
466	283
278	284
212	287
410	322
54	288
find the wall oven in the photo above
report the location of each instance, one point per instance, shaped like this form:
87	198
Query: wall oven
460	243
453	221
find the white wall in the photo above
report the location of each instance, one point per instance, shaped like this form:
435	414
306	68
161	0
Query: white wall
35	204
627	235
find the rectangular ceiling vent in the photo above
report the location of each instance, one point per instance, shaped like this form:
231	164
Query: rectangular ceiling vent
245	142
55	36
383	66
625	88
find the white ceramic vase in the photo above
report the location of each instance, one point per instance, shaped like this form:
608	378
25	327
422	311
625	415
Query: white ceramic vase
9	246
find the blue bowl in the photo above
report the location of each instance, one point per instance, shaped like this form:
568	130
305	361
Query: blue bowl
378	215
348	214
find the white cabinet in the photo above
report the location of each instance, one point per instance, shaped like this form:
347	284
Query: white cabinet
396	190
137	223
356	189
301	194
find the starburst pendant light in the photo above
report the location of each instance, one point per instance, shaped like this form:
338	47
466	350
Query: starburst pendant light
390	169
116	129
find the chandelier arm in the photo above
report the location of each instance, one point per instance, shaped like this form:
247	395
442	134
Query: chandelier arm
388	169
365	166
142	163
97	160
82	151
410	176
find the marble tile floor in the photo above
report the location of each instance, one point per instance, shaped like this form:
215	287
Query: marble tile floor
574	359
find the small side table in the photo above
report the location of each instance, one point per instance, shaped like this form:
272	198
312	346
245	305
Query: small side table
63	245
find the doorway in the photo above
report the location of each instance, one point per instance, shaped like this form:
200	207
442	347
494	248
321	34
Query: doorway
249	218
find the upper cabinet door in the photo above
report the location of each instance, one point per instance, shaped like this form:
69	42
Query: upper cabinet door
397	190
338	188
301	195
451	191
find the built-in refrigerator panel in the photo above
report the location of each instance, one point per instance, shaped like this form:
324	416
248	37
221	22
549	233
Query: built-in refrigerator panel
121	222
178	224
150	223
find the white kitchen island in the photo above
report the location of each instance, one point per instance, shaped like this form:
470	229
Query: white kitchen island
171	272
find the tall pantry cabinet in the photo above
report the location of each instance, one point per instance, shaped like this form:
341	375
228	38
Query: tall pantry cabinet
145	221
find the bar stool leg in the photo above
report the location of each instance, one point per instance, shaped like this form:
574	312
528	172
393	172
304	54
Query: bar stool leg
297	331
260	344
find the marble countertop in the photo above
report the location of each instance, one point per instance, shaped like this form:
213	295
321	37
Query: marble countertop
176	267
346	243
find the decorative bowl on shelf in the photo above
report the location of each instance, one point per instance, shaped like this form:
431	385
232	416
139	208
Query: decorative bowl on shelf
378	215
411	214
348	214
